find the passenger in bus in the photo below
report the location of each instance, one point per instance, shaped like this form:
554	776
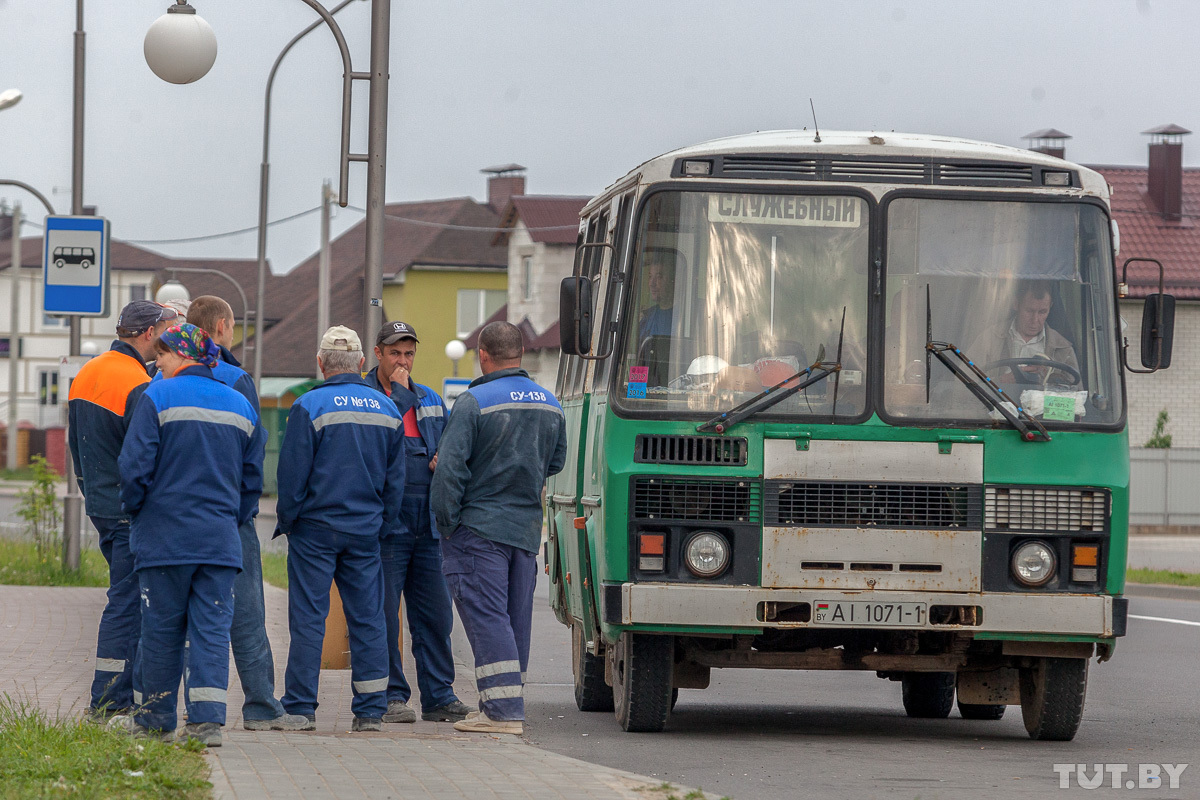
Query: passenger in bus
1025	335
657	318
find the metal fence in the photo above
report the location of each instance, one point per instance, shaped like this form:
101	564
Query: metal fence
1164	486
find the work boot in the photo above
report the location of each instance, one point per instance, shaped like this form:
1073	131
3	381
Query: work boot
284	722
362	724
101	716
451	712
125	723
399	711
206	733
479	722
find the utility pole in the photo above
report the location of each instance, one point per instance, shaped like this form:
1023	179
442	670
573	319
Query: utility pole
73	502
14	347
323	266
381	23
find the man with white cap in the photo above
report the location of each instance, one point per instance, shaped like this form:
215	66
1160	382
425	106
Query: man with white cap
341	486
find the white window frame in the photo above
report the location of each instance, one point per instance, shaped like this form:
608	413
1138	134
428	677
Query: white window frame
481	310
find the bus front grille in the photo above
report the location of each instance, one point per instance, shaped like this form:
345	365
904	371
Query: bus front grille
924	506
667	449
1048	508
731	500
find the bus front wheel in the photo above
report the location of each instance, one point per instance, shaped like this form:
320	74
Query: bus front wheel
928	695
1052	695
591	692
642	666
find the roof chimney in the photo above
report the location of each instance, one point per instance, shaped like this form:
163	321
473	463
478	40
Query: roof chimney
1050	141
1165	183
505	181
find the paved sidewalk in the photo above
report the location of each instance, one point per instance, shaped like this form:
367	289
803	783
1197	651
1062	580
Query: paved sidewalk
47	643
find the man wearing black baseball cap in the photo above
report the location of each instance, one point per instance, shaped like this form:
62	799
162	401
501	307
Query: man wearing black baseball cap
102	400
412	557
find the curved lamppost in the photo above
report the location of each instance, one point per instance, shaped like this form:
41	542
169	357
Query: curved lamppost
194	43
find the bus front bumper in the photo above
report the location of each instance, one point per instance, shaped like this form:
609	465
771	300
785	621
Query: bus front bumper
685	605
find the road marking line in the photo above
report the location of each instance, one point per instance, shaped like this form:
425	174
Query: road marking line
1167	619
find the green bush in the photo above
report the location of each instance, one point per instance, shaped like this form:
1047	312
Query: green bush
39	507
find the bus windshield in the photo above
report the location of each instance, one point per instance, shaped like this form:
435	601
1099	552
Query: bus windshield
734	292
1023	289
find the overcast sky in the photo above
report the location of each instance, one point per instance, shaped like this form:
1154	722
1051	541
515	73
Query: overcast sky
579	93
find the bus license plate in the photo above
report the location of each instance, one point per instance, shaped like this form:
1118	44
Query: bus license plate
869	614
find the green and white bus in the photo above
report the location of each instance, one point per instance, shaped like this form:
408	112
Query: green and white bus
846	401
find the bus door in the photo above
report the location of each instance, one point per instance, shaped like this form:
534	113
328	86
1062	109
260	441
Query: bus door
566	488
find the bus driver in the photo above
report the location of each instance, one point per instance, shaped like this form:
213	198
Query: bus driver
1025	335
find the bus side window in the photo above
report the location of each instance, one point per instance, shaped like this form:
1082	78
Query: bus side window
604	324
597	230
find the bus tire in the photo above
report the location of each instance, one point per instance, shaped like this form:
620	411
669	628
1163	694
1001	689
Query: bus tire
980	710
642	667
928	695
591	692
1052	697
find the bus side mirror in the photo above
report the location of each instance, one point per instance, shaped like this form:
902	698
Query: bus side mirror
575	308
1158	330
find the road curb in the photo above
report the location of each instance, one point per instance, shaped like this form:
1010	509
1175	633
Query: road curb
1163	591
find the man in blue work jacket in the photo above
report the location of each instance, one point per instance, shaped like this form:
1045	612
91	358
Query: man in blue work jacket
102	399
341	486
412	557
507	435
248	635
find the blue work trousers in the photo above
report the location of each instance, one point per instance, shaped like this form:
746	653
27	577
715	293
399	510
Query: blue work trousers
492	585
120	622
412	566
192	602
316	558
248	636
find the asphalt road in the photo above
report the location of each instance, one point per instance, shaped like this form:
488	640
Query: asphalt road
766	735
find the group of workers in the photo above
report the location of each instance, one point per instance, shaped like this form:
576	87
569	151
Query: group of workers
381	491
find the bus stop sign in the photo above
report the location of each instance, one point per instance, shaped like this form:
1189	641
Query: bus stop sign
75	266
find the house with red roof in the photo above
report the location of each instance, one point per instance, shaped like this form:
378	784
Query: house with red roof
539	232
1157	211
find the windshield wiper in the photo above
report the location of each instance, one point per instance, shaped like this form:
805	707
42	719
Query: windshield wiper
978	381
819	370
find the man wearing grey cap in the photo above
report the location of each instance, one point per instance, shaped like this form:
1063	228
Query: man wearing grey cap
100	405
341	486
412	557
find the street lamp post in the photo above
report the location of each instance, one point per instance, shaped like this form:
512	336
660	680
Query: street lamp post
73	502
207	271
177	38
263	191
14	341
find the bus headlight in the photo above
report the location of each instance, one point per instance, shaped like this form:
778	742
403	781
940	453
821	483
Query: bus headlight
1034	564
706	554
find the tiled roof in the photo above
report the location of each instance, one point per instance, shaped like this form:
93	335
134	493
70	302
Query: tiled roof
500	315
550	219
121	255
428	233
530	338
1145	233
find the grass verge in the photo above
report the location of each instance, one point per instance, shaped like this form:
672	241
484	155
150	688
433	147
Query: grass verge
274	567
21	566
1164	576
44	757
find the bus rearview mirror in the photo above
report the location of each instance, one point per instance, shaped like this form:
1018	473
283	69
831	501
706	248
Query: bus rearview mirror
575	316
1158	330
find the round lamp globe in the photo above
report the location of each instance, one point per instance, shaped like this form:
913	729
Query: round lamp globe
180	47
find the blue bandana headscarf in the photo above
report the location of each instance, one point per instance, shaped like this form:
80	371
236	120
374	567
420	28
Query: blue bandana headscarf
192	343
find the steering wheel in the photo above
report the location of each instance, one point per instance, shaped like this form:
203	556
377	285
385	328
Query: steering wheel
1020	376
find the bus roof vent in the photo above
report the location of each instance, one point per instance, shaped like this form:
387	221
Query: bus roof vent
985	173
769	166
712	450
890	171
